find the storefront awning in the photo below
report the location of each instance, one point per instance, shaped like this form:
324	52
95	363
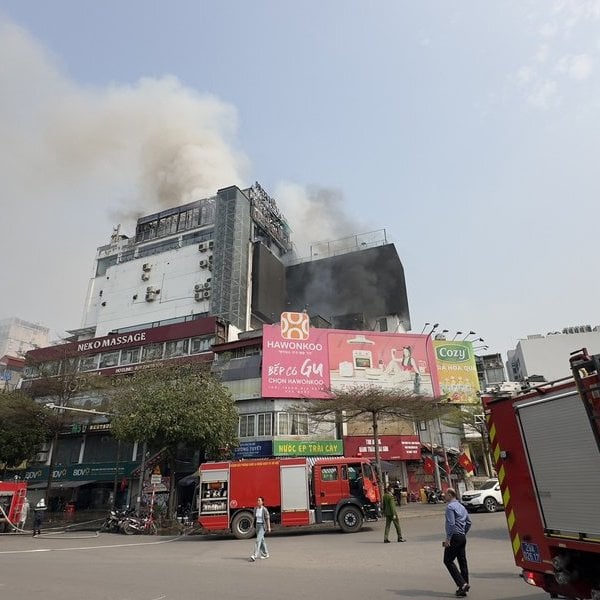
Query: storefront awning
59	485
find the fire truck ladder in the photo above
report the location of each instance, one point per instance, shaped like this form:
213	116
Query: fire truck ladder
586	372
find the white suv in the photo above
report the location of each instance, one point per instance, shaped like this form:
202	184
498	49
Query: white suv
488	497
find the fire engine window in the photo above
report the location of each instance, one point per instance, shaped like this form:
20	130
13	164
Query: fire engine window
368	471
329	474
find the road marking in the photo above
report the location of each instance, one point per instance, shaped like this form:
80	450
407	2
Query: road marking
88	547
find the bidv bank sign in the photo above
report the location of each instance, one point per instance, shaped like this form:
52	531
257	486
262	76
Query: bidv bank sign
300	361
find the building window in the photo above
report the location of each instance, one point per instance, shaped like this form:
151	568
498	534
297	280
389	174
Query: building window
152	352
201	344
130	356
264	424
89	363
247	423
292	424
177	348
109	359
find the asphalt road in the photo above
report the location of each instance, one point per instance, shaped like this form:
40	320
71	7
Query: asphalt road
322	564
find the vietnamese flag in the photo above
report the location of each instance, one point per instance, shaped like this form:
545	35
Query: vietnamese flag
465	462
428	465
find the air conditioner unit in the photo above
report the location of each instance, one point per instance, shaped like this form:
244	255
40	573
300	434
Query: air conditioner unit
197	287
211	244
207	286
206	294
146	267
210	258
198	296
203	264
202	246
150	289
210	267
150	296
208	280
145	276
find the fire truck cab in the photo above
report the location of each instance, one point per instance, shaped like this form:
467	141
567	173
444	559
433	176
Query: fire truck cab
297	491
12	499
546	447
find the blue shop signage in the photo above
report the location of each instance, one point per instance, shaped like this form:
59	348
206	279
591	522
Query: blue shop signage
254	449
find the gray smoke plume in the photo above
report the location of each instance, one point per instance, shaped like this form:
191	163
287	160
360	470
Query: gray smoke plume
315	214
157	143
75	160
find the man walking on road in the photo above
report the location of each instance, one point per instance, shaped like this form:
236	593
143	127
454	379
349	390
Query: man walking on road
458	524
391	515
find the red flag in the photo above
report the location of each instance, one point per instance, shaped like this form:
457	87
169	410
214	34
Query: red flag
428	465
465	462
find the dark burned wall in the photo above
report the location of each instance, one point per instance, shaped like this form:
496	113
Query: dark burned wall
369	282
268	285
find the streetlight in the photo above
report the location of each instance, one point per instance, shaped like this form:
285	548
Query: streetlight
468	334
425	326
457	333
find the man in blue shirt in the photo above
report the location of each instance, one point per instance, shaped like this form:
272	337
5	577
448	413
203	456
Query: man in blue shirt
458	524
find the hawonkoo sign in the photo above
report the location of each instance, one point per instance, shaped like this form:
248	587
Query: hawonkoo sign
300	361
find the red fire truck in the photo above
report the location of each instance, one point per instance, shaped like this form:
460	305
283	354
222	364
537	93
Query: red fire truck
297	492
546	447
12	499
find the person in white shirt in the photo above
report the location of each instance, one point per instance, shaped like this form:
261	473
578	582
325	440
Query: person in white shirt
262	524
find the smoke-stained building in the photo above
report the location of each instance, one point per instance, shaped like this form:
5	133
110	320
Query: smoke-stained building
231	256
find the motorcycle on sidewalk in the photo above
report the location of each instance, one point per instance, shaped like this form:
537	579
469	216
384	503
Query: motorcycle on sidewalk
137	525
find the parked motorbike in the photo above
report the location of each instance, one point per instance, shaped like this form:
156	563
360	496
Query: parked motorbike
434	496
134	525
114	521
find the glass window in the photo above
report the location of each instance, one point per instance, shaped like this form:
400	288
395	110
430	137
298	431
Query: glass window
299	424
282	424
247	425
109	359
264	424
130	356
152	352
176	348
201	344
89	363
329	474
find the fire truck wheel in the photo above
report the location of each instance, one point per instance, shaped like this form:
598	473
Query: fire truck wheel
350	519
490	504
242	525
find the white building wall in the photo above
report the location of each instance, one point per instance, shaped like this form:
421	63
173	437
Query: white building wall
549	356
118	298
18	336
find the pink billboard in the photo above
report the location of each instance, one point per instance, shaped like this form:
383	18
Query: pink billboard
300	361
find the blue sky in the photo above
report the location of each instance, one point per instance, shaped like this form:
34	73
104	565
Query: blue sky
469	132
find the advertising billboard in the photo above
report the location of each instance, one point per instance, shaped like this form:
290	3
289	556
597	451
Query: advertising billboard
300	361
456	370
391	447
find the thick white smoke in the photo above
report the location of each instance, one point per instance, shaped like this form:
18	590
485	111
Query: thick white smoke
75	160
174	144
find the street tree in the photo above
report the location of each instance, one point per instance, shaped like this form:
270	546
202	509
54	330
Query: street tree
24	426
375	404
173	406
470	417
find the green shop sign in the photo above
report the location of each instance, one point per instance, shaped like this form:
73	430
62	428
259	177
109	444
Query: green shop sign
79	472
312	448
454	352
